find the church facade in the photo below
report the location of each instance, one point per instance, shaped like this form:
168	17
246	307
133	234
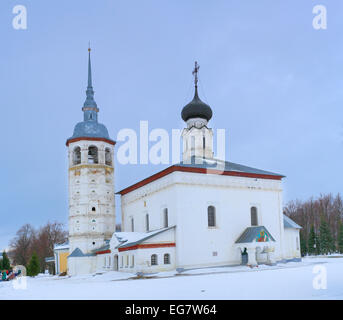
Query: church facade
201	212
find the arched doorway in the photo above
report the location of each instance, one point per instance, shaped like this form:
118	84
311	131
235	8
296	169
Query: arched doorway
244	260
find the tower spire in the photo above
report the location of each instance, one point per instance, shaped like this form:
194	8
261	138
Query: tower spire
90	108
89	68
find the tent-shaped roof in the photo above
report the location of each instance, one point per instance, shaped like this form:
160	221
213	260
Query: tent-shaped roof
78	253
255	234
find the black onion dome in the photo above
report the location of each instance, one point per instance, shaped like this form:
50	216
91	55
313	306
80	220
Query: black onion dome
196	109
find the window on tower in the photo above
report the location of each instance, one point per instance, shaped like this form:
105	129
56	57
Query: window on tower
211	215
108	157
93	154
147	223
77	156
165	218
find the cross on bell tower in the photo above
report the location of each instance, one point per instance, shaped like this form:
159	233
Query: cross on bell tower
195	73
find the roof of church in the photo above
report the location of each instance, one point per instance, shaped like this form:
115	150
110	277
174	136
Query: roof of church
289	223
217	164
90	127
207	166
128	239
252	234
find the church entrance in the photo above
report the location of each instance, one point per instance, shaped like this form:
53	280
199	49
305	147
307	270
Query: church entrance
115	264
244	257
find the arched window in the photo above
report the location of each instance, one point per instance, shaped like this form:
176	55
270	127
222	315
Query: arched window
108	157
154	260
132	225
93	154
166	258
165	218
253	214
147	223
211	215
77	156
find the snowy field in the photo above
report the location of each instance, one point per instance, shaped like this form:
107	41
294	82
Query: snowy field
284	281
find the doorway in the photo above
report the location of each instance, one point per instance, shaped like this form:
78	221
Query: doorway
244	257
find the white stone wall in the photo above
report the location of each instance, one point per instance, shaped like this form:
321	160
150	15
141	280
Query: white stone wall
81	265
91	198
187	196
292	243
139	260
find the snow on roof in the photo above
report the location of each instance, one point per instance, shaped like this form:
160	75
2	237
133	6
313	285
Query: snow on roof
61	246
128	239
289	223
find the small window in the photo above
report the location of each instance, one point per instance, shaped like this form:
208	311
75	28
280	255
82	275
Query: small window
253	213
93	209
132	225
147	223
132	261
165	218
211	215
127	261
122	261
166	258
93	154
77	156
154	261
108	157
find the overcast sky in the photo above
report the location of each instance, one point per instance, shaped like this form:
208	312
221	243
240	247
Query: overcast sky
273	82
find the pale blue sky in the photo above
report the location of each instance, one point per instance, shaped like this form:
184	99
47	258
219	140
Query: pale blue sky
273	82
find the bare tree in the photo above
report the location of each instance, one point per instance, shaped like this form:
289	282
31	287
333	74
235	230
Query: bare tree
42	241
21	244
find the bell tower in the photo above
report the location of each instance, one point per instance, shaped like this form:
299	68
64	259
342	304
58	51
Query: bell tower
91	179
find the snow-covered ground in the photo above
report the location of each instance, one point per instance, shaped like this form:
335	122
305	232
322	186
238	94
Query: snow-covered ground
284	281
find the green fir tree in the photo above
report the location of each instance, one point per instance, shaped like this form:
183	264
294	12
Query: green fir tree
312	242
6	265
303	244
340	238
33	267
325	238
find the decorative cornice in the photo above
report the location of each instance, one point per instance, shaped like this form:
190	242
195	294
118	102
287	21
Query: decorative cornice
148	246
91	166
90	139
196	170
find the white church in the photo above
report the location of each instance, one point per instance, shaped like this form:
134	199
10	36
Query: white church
201	212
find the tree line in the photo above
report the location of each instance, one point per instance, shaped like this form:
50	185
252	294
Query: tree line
31	246
321	220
